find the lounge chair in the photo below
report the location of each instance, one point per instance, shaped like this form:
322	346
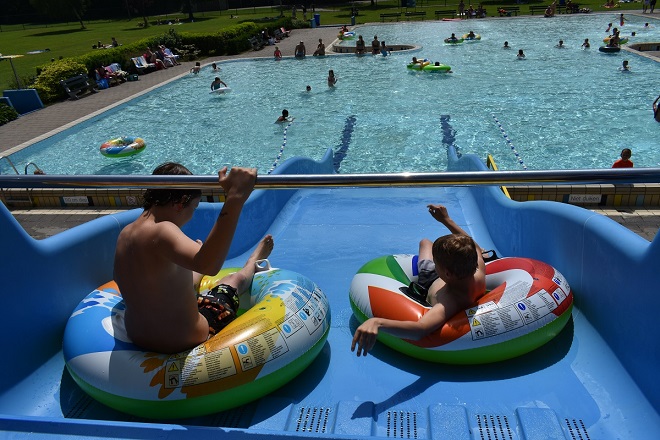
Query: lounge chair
142	66
285	32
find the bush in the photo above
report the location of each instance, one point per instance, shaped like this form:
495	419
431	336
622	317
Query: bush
7	114
48	82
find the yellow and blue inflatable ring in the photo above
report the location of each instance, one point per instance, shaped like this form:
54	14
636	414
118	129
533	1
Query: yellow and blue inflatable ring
527	303
275	339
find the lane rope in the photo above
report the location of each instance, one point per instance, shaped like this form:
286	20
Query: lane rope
279	155
509	143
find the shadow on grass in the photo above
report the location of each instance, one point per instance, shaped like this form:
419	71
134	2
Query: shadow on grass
61	32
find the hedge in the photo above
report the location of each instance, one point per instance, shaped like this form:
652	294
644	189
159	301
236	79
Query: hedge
7	113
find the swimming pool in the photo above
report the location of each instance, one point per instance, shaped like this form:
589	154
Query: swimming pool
560	108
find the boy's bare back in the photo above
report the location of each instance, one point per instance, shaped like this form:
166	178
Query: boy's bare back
161	306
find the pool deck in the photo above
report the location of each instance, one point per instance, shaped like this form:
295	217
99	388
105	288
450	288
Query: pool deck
38	125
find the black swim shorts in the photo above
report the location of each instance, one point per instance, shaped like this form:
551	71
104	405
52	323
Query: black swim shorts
219	306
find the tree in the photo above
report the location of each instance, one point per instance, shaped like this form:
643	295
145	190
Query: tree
141	7
61	9
188	5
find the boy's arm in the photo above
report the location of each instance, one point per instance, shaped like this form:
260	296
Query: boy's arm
207	258
439	212
238	186
366	334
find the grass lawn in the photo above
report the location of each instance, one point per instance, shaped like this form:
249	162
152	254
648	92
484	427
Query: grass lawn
67	39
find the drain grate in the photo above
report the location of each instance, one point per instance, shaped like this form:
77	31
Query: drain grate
313	420
229	419
78	409
494	427
577	430
402	424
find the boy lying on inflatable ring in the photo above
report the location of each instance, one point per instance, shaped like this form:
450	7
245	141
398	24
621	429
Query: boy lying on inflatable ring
453	271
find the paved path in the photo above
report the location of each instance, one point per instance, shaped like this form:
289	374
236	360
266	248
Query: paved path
42	223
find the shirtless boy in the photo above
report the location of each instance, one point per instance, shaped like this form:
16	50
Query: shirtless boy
157	266
454	272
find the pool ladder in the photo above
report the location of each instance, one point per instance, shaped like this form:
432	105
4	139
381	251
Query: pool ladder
14	197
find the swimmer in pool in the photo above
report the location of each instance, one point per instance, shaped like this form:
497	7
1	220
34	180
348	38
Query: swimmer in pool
215	85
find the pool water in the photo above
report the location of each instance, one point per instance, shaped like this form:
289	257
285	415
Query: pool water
559	108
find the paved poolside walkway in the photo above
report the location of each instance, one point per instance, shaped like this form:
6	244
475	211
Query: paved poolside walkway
42	223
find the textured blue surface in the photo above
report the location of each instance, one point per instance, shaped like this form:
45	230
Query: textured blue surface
581	383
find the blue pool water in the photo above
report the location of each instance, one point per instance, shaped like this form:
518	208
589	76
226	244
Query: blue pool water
559	108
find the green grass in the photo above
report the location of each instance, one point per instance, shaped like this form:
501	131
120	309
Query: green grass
67	39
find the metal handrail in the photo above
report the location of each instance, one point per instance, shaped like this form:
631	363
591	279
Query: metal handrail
10	162
292	181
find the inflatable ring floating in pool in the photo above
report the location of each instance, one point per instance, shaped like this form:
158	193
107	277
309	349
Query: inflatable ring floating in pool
418	65
622	40
467	37
123	146
454	41
608	49
281	333
527	303
438	68
220	90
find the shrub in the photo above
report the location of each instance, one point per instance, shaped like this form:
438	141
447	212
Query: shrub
7	114
48	82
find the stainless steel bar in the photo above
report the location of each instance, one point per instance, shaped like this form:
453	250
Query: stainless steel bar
293	181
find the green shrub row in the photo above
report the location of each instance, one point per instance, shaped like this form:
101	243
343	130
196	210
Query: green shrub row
7	114
228	41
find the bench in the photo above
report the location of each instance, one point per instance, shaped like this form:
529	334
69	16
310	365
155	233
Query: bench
448	12
537	8
257	43
508	11
420	14
390	15
78	84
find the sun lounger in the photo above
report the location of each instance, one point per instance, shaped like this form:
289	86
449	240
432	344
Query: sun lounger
257	43
142	66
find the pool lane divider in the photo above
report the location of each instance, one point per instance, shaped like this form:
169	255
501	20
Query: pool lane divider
279	155
509	143
342	148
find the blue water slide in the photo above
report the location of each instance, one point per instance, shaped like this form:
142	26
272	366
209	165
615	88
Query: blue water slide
594	380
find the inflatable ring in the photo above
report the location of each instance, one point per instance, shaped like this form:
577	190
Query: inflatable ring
476	37
438	68
455	41
608	49
123	146
220	90
418	65
622	40
527	303
347	35
280	334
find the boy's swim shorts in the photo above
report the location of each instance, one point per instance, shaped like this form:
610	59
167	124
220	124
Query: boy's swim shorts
219	306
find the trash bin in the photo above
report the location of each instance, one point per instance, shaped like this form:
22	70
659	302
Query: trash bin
352	20
317	19
312	23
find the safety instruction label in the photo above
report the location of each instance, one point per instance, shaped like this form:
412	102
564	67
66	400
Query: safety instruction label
260	349
199	368
309	316
490	320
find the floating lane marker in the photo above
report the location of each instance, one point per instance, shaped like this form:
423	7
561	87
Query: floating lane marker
279	155
509	143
